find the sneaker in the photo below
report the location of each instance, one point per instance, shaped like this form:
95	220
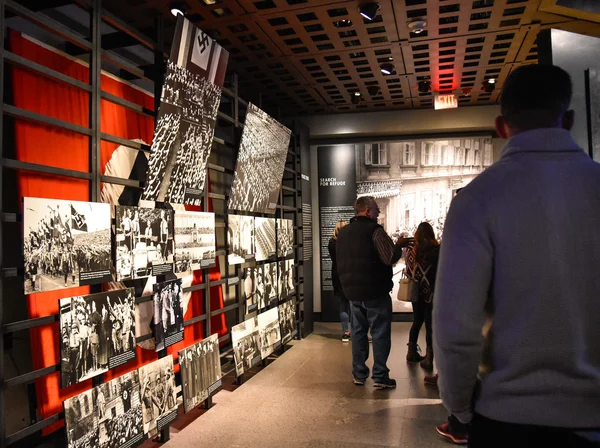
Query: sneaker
358	382
431	380
446	430
346	337
385	384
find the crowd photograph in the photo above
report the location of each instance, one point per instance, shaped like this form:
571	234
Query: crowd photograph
265	238
157	389
183	137
119	411
97	333
260	163
81	422
194	240
145	243
168	313
285	237
245	339
287	320
240	239
65	244
269	331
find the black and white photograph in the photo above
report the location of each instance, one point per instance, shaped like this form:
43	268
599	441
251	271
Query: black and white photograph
286	278
65	244
270	283
249	289
593	94
119	412
200	369
241	239
269	331
260	163
81	422
285	237
144	242
194	241
168	313
287	320
265	238
185	125
245	339
260	290
159	401
97	333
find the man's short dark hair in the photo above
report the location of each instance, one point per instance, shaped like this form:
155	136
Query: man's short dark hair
535	96
363	203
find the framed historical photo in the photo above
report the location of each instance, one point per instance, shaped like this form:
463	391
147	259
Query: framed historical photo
287	320
168	313
119	412
159	401
97	333
285	237
241	239
194	241
65	244
270	283
245	339
265	238
144	242
186	120
81	423
260	163
249	289
269	331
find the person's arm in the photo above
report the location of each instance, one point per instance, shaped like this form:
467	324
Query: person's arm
462	288
389	253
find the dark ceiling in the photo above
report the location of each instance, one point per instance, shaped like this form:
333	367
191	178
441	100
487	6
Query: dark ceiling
291	51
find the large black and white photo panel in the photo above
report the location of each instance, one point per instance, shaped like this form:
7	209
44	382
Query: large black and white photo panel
97	333
260	163
241	239
287	320
194	240
65	244
285	237
168	313
144	242
270	281
189	362
186	119
249	289
119	412
245	339
269	331
159	401
265	238
81	423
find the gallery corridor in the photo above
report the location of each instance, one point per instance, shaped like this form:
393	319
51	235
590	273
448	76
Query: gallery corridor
306	399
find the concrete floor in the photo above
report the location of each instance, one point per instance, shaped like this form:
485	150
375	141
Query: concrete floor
306	399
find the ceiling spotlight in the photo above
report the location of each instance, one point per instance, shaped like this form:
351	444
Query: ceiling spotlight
356	99
178	9
417	26
369	10
373	90
467	91
424	86
387	68
356	93
345	23
489	85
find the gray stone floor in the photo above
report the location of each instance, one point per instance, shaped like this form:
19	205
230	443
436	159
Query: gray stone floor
306	399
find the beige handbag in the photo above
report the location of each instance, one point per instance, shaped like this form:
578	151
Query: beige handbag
409	288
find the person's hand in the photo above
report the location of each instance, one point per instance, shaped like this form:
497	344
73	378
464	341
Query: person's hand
405	242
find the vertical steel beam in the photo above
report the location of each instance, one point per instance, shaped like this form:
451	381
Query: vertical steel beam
95	100
2	397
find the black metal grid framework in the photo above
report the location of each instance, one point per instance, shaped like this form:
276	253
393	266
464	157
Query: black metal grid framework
220	175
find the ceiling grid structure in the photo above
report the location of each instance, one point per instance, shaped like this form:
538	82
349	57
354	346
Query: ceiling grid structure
322	56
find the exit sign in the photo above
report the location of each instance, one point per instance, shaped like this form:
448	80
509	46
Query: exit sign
445	102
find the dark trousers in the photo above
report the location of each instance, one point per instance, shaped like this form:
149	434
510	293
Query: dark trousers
376	315
422	313
484	432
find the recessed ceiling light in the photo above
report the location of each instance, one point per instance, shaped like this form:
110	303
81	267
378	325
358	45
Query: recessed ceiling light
345	23
178	9
417	26
424	86
356	93
369	10
492	81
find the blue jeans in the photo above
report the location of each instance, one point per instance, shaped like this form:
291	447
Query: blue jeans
344	314
376	315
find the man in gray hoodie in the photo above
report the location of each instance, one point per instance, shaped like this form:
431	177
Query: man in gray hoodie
522	252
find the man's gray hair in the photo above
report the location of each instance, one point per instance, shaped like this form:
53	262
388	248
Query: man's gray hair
363	203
